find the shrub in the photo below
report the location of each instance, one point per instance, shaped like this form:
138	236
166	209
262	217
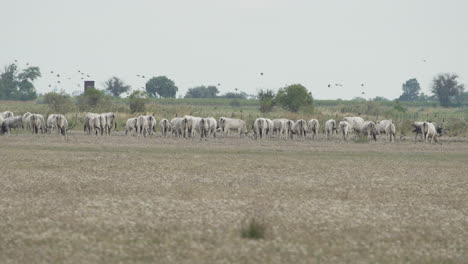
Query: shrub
137	101
266	98
91	99
59	102
294	97
253	229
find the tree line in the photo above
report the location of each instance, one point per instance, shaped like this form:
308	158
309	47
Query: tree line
18	84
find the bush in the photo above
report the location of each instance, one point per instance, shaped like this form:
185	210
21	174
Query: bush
294	97
253	229
137	101
59	102
266	98
91	99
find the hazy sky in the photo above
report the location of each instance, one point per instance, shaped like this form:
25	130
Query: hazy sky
378	43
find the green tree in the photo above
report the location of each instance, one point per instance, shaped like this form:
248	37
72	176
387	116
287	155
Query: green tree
411	89
15	85
294	97
137	101
202	92
116	86
162	86
90	99
446	87
59	102
266	98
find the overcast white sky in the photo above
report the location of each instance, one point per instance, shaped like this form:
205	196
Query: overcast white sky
375	42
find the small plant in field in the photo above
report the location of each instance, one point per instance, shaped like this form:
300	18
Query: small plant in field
361	139
253	229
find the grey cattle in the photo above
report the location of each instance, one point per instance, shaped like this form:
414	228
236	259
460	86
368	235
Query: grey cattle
431	131
330	127
11	122
313	127
300	128
260	127
227	124
380	126
62	124
165	127
37	123
142	125
178	128
418	129
345	128
390	131
131	125
6	114
281	127
86	122
94	124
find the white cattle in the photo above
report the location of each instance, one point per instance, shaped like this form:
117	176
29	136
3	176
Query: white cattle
313	127
227	124
131	125
356	122
165	126
11	122
62	124
300	128
367	129
191	124
330	127
431	131
6	114
152	123
51	123
381	125
94	124
178	128
25	120
269	127
37	123
212	125
142	126
109	122
345	128
390	131
260	127
280	127
86	122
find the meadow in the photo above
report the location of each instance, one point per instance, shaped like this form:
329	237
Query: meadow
127	199
121	199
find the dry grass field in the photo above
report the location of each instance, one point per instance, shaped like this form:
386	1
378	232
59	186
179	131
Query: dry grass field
125	199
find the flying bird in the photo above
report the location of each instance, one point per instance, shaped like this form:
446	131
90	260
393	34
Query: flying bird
219	84
16	60
88	75
329	85
261	73
27	63
50	85
58	75
363	93
51	71
235	89
362	84
138	75
142	76
58	81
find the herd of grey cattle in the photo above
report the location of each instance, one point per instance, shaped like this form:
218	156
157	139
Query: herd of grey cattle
209	127
36	123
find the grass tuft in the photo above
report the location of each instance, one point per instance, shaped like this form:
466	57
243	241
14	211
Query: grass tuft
253	229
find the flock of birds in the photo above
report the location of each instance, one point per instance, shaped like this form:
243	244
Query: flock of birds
57	78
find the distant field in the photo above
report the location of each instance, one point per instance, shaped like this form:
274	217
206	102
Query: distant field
125	199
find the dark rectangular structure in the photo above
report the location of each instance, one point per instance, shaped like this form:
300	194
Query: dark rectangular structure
88	84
